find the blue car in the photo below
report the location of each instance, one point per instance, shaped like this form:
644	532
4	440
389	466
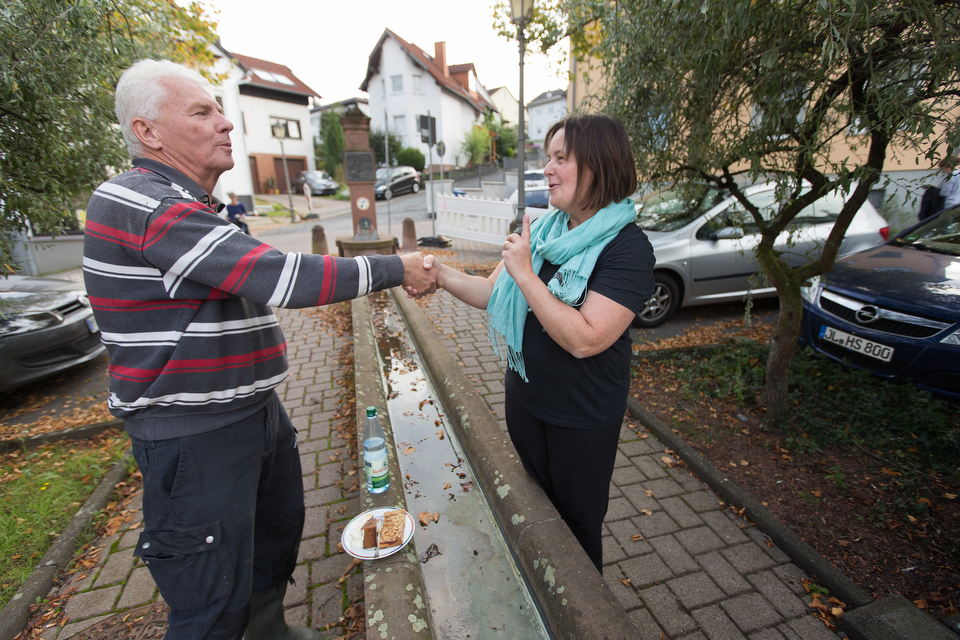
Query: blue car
894	310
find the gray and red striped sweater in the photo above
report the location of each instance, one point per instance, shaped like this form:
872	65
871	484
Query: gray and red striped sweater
183	299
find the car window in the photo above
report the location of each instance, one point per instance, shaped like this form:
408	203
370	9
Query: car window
940	234
383	173
539	198
737	216
674	209
825	210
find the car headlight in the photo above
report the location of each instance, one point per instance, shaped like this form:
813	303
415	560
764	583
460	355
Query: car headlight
953	338
809	290
27	322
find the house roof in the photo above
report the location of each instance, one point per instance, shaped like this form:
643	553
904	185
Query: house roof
447	81
342	104
271	75
549	96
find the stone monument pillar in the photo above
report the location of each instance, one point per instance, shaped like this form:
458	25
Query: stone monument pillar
360	172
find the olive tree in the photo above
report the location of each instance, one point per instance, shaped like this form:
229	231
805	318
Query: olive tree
61	60
811	94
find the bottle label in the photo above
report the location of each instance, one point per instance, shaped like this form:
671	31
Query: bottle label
375	468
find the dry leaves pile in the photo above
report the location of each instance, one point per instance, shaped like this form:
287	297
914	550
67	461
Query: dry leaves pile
76	413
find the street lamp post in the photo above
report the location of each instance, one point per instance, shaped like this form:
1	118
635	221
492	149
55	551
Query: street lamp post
521	12
280	132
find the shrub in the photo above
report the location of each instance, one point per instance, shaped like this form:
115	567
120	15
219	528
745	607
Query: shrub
411	157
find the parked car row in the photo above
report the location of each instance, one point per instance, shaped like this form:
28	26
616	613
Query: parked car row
46	326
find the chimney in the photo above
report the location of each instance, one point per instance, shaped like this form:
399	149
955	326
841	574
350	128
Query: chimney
440	57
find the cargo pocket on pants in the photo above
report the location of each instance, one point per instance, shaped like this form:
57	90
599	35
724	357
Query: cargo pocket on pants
190	567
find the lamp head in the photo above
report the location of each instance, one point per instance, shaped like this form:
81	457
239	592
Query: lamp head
521	11
279	130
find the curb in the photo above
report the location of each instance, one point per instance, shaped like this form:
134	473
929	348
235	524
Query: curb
575	600
74	433
890	618
16	614
802	554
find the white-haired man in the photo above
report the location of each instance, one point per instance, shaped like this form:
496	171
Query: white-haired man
183	300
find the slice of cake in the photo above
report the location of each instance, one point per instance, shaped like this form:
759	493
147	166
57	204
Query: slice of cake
391	534
369	529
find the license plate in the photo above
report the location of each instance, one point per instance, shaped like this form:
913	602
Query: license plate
854	343
92	324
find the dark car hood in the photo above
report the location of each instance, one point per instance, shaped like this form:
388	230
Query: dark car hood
916	281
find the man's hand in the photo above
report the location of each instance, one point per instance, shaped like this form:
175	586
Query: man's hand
417	281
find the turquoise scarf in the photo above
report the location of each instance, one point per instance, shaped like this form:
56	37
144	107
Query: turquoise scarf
576	251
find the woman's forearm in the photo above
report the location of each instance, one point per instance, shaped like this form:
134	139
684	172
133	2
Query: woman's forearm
473	290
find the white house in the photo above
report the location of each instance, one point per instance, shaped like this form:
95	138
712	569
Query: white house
337	107
544	110
256	94
508	107
404	83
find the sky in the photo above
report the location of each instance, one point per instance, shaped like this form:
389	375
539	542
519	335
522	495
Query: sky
326	43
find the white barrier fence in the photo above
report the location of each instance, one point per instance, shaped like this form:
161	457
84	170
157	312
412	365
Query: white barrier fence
479	219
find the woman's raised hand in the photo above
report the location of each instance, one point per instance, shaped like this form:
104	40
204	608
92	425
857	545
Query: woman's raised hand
516	251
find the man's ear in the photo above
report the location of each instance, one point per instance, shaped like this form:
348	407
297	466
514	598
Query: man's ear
147	133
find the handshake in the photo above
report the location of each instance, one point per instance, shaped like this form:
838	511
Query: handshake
420	274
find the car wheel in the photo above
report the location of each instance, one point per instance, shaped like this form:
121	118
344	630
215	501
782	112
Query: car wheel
661	305
416	187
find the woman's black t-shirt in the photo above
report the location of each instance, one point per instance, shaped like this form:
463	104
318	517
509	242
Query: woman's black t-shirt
587	392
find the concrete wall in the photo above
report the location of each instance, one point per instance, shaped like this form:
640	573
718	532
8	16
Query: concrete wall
43	255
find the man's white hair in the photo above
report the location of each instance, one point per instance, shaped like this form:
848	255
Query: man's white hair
140	93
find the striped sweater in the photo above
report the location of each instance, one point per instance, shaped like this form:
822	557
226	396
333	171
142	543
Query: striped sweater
183	299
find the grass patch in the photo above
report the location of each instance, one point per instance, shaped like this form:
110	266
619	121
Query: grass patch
40	492
833	404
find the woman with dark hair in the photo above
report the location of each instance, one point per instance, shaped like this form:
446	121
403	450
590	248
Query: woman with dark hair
559	308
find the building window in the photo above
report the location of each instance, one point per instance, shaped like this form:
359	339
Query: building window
396	84
417	83
400	125
292	127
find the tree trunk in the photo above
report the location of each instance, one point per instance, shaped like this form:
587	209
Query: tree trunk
783	346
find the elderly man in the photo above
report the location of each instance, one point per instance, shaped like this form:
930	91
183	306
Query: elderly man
183	301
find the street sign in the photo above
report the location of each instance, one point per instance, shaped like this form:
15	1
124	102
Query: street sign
428	130
441	148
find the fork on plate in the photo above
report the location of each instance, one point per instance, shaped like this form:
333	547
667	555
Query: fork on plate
376	549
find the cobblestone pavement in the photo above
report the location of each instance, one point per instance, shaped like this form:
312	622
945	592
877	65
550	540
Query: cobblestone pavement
681	564
120	581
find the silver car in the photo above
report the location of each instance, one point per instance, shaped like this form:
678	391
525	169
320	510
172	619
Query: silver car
705	240
46	326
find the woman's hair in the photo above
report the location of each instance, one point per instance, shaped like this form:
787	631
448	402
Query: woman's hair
598	142
140	93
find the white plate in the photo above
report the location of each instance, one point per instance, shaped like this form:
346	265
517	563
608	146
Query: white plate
357	551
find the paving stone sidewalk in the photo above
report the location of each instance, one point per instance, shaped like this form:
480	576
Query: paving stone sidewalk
681	564
119	581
